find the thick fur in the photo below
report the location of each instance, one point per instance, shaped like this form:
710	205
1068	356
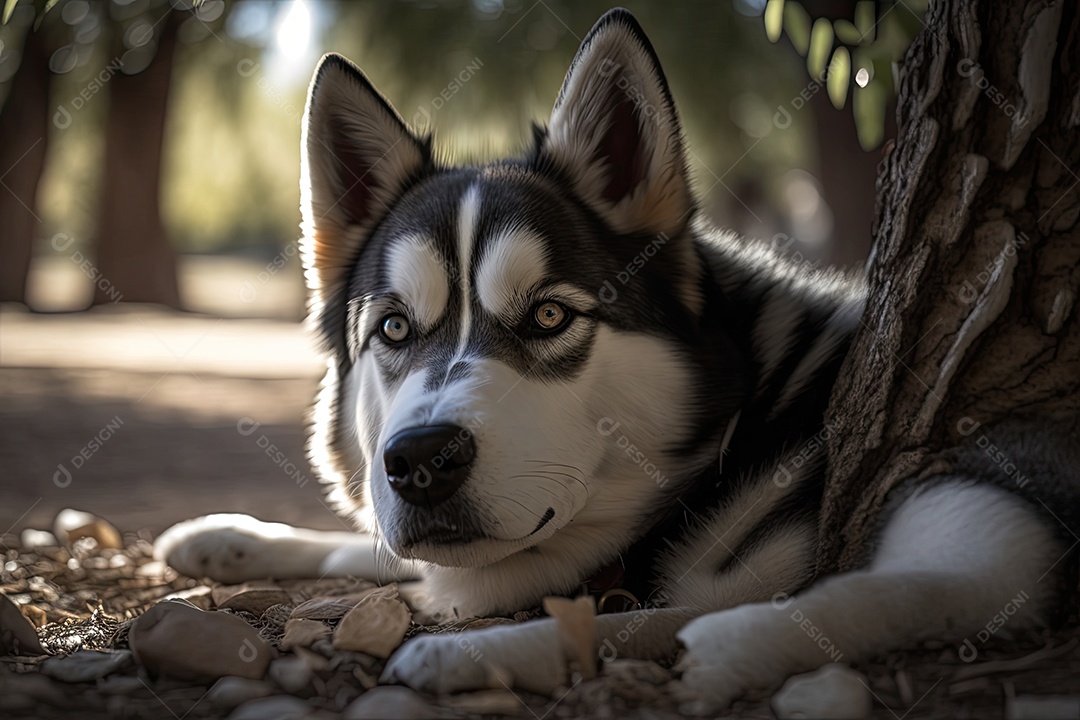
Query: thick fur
672	431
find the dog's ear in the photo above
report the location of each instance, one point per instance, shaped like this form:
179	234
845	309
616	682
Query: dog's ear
357	157
614	131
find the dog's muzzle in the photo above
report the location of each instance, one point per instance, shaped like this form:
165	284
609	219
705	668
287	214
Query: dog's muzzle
426	465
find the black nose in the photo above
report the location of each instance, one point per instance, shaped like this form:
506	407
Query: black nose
427	464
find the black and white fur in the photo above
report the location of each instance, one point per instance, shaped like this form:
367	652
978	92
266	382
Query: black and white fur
710	356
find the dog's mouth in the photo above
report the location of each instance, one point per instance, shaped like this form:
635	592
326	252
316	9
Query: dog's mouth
453	535
548	516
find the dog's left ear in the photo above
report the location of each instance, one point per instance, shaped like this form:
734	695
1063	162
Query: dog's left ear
614	132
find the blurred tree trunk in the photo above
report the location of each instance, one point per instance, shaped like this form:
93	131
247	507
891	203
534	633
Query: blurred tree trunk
847	174
23	137
973	286
133	250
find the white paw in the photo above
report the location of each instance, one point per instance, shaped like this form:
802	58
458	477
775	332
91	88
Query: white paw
728	653
440	664
229	548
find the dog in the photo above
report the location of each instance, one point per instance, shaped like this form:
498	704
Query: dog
551	375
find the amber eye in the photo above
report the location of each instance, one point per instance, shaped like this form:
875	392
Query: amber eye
548	316
395	328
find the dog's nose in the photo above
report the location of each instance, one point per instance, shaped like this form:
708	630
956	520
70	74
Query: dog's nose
426	465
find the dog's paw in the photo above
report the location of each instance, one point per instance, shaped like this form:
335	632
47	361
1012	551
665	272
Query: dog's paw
229	548
729	653
440	664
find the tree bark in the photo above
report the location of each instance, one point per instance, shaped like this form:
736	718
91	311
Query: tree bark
23	139
976	267
134	255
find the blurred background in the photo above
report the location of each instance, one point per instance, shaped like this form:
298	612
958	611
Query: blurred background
152	363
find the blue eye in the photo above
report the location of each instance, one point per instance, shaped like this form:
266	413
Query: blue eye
395	328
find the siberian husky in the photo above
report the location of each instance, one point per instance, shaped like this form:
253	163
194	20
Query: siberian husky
551	376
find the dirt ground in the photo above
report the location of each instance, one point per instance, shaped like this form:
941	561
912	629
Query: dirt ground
133	415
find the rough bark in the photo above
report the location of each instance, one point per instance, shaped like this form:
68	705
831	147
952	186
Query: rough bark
976	266
134	254
23	139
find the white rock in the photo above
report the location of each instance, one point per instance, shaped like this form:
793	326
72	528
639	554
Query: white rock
230	691
71	525
390	702
31	539
86	665
292	673
278	707
835	692
376	626
1042	707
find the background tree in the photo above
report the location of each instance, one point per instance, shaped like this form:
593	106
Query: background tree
976	267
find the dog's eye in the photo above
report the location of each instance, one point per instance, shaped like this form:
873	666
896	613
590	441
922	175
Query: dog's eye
395	328
548	316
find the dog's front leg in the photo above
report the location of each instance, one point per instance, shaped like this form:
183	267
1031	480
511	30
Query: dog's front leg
951	559
528	656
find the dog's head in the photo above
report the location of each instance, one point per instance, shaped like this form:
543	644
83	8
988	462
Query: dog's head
518	346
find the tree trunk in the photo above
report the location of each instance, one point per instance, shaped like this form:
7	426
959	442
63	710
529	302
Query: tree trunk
23	137
134	256
976	266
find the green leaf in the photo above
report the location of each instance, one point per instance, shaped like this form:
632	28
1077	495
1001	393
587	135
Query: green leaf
839	77
42	10
9	8
868	105
864	20
774	19
846	32
821	38
797	26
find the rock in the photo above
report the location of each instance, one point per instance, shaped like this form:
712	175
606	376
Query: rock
228	692
835	691
71	525
485	702
292	673
34	614
34	539
301	632
278	707
17	635
254	598
1042	707
175	639
123	685
86	665
199	596
329	608
390	702
376	626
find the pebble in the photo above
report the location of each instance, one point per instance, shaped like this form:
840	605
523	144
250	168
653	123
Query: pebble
249	597
291	673
199	596
301	632
230	691
86	665
17	635
486	702
327	608
376	626
71	525
390	702
33	539
278	707
180	641
1042	707
834	691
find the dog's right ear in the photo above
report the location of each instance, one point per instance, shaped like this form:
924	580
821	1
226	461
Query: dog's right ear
357	157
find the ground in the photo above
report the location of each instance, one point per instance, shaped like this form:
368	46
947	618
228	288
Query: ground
142	409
